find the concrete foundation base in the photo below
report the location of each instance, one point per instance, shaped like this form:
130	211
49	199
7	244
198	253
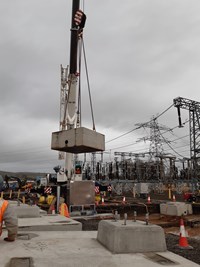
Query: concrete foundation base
26	211
76	249
175	208
49	223
134	237
32	218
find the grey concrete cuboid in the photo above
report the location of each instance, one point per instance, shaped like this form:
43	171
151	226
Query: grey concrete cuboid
32	218
134	237
26	211
78	140
175	208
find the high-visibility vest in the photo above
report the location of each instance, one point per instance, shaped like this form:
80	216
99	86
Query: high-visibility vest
3	206
63	210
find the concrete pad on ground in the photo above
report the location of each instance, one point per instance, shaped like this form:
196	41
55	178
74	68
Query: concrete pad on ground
175	208
76	248
25	210
131	237
49	223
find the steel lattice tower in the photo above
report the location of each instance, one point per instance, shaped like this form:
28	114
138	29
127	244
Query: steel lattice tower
156	139
194	122
156	144
156	148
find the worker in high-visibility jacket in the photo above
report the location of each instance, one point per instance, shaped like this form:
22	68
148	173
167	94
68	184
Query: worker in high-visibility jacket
8	216
63	209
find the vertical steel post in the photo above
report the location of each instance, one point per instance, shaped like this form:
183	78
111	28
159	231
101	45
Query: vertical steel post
58	199
179	117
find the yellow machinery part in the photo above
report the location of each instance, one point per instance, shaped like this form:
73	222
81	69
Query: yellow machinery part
42	199
97	198
49	199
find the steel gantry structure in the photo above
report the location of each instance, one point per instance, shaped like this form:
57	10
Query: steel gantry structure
194	128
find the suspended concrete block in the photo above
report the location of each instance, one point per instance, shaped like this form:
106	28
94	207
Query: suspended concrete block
78	140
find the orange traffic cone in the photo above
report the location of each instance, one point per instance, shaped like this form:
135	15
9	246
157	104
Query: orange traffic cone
124	200
148	199
183	243
174	198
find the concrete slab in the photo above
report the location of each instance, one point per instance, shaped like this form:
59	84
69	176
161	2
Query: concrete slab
49	223
132	237
175	208
77	249
26	211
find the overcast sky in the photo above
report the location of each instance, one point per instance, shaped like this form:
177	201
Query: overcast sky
141	54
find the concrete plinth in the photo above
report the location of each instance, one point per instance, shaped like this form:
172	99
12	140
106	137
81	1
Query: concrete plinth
175	208
134	237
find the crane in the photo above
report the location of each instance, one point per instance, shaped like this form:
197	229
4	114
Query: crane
72	138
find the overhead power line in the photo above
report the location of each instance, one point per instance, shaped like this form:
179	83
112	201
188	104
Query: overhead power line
123	134
141	125
170	145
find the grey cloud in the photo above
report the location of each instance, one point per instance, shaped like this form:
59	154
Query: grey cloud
140	55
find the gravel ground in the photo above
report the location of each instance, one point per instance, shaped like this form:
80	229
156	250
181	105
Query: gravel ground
172	240
190	254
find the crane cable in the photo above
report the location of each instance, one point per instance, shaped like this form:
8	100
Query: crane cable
82	48
79	84
79	119
88	83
